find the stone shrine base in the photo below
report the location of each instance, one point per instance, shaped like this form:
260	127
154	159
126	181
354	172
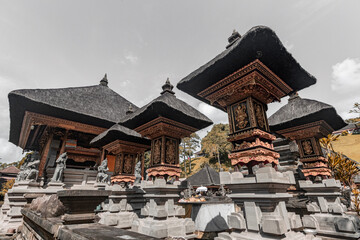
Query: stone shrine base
257	236
119	219
170	227
36	227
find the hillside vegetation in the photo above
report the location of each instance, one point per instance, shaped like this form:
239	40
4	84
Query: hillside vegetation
348	145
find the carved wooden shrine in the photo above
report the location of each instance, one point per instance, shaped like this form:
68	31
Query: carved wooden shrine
245	95
165	121
54	121
307	137
127	146
165	135
127	155
306	121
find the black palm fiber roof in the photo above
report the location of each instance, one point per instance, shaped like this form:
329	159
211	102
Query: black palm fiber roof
168	106
299	111
118	132
207	176
95	105
258	43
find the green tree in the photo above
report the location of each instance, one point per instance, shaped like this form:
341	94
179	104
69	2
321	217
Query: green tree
215	144
356	108
187	148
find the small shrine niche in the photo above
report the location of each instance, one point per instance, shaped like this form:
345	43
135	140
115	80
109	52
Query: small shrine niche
307	138
306	121
126	147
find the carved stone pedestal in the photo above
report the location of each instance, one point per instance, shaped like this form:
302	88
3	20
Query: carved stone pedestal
123	208
14	202
55	186
328	216
261	210
162	215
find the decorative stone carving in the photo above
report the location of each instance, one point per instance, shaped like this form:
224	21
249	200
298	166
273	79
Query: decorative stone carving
29	169
102	176
328	216
138	172
60	167
157	151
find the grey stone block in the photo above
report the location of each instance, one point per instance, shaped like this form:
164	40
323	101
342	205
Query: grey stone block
313	207
310	222
331	183
252	216
273	225
225	177
324	207
236	221
236	177
345	225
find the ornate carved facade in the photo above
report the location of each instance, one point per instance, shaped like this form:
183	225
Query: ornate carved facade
165	135
307	137
127	155
67	132
245	95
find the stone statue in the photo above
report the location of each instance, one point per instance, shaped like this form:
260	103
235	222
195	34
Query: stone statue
28	170
102	176
60	167
138	172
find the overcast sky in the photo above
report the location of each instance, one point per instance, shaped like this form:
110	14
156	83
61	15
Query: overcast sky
54	44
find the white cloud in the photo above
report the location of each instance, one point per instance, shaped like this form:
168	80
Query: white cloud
124	83
131	58
346	76
9	152
346	86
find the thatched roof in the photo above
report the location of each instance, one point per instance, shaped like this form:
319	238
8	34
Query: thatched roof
299	111
207	176
168	106
95	105
258	43
118	132
10	170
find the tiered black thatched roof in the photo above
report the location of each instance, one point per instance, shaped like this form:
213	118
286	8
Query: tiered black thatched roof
258	43
95	105
299	111
118	132
168	106
205	177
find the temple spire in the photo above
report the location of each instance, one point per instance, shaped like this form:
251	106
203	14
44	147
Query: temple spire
233	38
130	110
167	87
104	81
293	96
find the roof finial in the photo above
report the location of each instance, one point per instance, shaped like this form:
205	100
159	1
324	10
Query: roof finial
167	87
104	81
293	96
130	110
233	38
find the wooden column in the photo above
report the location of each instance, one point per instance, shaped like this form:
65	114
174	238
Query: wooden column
142	165
63	145
44	155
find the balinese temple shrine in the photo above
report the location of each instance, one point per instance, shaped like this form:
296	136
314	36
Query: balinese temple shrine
165	120
253	71
306	121
127	146
54	121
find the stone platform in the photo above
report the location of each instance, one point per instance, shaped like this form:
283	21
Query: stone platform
261	212
39	228
328	216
